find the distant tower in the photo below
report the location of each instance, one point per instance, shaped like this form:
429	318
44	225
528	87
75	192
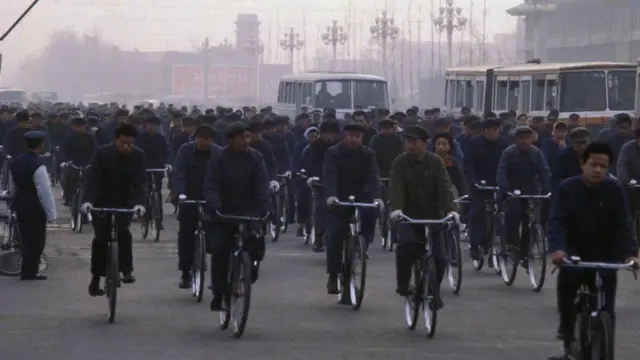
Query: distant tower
247	29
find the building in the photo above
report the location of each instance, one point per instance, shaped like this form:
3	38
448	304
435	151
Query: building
581	30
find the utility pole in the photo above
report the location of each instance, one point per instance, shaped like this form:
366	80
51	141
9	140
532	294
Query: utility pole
18	20
205	71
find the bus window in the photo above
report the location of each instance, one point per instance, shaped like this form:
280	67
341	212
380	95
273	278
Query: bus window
297	93
479	96
551	94
307	92
334	94
370	94
537	95
514	89
289	93
582	91
281	92
450	92
525	97
621	85
501	95
459	90
468	94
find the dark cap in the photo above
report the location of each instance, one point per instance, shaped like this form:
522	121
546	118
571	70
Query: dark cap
417	132
330	126
152	120
236	129
443	122
22	116
579	133
188	120
387	124
354	128
523	130
491	123
78	121
122	112
34	134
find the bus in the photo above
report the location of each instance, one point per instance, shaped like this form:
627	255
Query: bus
9	96
339	91
594	90
467	86
44	96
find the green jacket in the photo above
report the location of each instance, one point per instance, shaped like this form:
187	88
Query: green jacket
420	187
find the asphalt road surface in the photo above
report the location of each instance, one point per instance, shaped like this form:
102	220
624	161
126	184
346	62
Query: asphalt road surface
291	316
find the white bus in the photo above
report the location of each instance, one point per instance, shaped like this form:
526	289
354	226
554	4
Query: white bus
340	91
10	96
468	86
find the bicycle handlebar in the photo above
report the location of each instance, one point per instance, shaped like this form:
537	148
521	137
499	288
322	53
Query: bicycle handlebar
462	199
352	203
575	262
114	210
156	170
446	219
242	218
183	200
516	194
483	186
633	184
76	167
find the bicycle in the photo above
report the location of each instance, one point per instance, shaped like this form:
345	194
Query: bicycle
279	223
152	218
633	184
112	279
199	266
488	247
55	177
509	255
354	256
311	223
240	275
386	228
595	325
302	175
77	218
10	242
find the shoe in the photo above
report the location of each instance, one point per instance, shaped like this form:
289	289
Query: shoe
475	253
300	232
318	247
185	281
94	287
128	278
34	277
332	284
216	303
255	270
404	291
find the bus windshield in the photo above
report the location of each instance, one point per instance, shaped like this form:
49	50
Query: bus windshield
50	96
621	85
583	91
13	96
338	94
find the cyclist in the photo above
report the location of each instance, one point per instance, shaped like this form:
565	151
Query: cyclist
622	135
280	153
302	124
420	189
349	169
312	160
99	133
77	147
590	219
472	127
311	134
567	163
14	142
443	143
522	167
156	153
116	179
32	201
188	177
236	183
481	164
552	146
628	168
264	148
363	119
387	145
444	126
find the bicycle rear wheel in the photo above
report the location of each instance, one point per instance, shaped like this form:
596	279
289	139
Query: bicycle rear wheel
430	294
12	250
112	279
537	258
79	215
241	294
284	218
454	258
74	210
413	303
157	215
358	271
199	267
225	314
274	228
145	221
596	337
508	255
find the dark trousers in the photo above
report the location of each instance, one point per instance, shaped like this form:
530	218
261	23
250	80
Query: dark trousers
33	232
321	212
291	202
100	246
338	232
410	247
515	219
569	281
188	224
478	217
155	180
303	206
223	244
71	180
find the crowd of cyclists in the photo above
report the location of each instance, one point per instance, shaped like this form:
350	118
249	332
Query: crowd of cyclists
417	166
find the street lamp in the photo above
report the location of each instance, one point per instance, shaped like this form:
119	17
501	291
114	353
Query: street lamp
334	36
450	20
291	43
225	45
384	30
256	47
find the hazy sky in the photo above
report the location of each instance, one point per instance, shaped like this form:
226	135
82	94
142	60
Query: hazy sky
182	25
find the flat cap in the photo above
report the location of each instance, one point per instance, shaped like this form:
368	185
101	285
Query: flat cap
34	134
417	132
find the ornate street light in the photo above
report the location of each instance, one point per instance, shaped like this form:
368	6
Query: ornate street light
384	30
291	43
334	36
449	21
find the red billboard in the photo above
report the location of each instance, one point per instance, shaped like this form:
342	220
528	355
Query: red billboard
225	82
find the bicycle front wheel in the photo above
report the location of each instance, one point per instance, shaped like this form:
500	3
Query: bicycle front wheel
454	259
413	303
537	258
112	280
599	343
11	251
79	215
156	207
431	294
284	218
199	267
241	294
358	270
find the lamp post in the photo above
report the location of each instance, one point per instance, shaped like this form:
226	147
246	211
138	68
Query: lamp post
449	20
334	36
225	45
384	30
291	43
256	47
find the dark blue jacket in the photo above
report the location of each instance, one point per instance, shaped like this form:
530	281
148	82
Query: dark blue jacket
567	165
14	142
102	136
291	140
551	150
79	148
266	150
298	131
22	168
5	127
190	169
591	222
348	172
462	139
526	171
280	151
296	164
456	151
237	183
156	149
481	162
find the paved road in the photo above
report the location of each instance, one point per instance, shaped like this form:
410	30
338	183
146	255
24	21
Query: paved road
292	317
